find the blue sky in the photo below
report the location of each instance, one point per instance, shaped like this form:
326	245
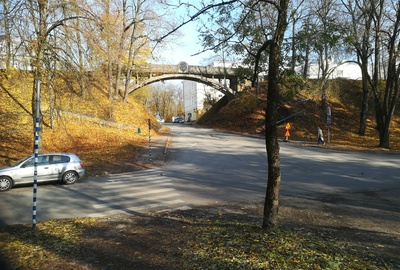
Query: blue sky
185	45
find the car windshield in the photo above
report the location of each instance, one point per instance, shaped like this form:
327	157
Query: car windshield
20	161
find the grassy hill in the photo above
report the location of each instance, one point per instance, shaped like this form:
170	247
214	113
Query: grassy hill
301	108
101	147
104	149
310	236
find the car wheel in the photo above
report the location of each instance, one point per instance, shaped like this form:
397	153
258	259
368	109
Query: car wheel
5	183
70	177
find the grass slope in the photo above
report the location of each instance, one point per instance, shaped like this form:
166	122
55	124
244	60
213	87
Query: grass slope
195	239
302	110
99	146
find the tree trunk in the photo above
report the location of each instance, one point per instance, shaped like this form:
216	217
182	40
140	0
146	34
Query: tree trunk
306	64
323	95
7	35
127	81
271	205
384	138
38	71
378	114
81	68
293	61
364	102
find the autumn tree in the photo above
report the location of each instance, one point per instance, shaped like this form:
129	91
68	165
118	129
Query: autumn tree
6	19
296	16
259	33
270	43
373	32
301	41
39	26
124	37
165	99
245	34
75	56
145	27
324	38
386	31
271	205
358	34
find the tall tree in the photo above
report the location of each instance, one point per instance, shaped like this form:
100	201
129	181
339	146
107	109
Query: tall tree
325	37
38	27
128	28
123	32
358	29
271	46
260	32
303	45
375	36
144	27
6	27
296	16
386	98
164	100
271	205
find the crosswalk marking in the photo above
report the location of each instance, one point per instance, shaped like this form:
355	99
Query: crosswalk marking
154	205
145	173
136	179
134	200
135	192
131	187
139	208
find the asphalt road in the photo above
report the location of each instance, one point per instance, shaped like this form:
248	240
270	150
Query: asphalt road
215	166
204	167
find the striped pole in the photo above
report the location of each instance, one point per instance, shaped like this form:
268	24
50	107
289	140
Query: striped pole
150	141
36	152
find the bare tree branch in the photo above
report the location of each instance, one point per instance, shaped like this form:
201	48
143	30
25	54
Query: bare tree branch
192	18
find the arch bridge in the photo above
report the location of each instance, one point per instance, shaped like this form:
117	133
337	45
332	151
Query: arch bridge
215	77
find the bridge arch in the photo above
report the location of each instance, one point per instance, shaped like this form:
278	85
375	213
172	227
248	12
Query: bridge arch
190	77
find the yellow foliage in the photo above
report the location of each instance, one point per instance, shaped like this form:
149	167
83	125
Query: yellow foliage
91	140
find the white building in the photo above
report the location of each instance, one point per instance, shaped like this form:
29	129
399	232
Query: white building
195	98
195	94
345	70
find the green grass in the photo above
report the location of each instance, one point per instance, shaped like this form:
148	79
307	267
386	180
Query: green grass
191	241
244	245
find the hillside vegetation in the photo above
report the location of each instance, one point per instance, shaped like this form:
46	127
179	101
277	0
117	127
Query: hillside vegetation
300	106
100	146
215	236
103	149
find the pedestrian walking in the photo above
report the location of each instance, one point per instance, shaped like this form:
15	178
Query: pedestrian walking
320	136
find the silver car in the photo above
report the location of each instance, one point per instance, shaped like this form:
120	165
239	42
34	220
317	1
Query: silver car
67	168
